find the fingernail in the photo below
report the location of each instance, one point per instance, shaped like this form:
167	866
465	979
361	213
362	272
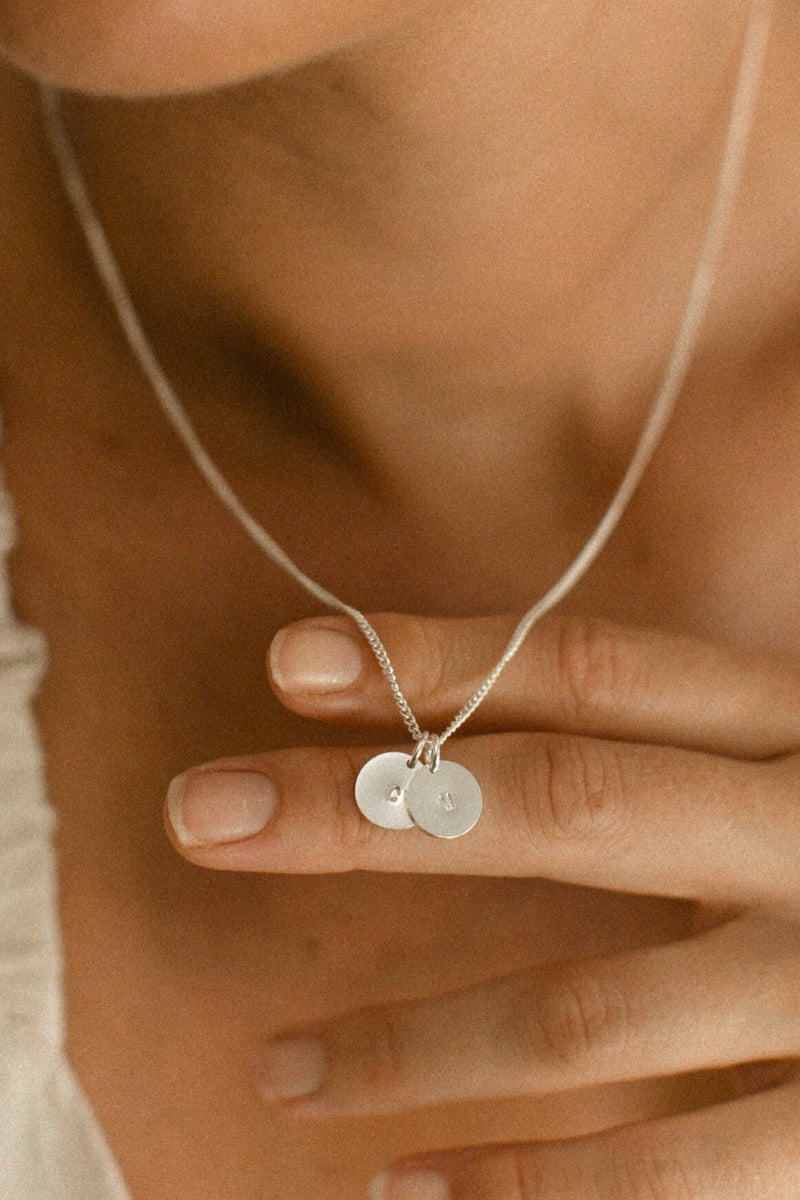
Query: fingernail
307	658
377	1189
409	1185
210	807
291	1068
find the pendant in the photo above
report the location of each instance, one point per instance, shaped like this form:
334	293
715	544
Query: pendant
446	802
441	797
381	789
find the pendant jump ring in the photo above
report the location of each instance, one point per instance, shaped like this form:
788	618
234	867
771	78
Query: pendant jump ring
427	751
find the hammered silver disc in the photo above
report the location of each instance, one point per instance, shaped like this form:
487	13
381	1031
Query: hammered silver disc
446	802
381	788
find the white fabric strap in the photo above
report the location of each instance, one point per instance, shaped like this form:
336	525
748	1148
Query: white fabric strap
51	1146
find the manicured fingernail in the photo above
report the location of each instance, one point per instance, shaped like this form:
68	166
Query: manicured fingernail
409	1185
291	1068
377	1188
309	658
210	807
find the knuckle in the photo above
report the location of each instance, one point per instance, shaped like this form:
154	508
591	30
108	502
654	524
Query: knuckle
652	1172
634	1171
513	1173
354	836
594	666
577	792
526	1181
384	1054
577	1020
424	655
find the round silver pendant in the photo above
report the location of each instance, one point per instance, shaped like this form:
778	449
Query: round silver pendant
381	790
446	802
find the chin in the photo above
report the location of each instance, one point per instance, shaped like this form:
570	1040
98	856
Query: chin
139	48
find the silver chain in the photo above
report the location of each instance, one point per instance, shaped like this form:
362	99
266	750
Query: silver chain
732	163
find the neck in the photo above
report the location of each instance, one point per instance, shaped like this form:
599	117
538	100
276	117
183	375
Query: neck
467	215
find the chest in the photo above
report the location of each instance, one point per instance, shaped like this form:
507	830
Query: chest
158	615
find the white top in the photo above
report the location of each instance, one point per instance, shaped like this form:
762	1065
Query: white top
51	1146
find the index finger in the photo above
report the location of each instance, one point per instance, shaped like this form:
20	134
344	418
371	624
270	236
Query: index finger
572	675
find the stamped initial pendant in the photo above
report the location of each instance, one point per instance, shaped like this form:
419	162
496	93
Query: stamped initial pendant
381	788
445	802
442	798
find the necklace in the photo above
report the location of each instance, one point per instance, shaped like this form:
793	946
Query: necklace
396	790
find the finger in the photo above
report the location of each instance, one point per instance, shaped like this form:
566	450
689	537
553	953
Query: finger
713	1001
744	1150
646	819
571	674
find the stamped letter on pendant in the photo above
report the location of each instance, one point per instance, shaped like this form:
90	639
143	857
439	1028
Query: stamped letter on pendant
445	803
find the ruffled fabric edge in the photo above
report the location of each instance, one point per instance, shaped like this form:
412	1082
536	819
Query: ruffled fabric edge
51	1145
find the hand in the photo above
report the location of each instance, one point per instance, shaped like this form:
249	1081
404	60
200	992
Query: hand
669	767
